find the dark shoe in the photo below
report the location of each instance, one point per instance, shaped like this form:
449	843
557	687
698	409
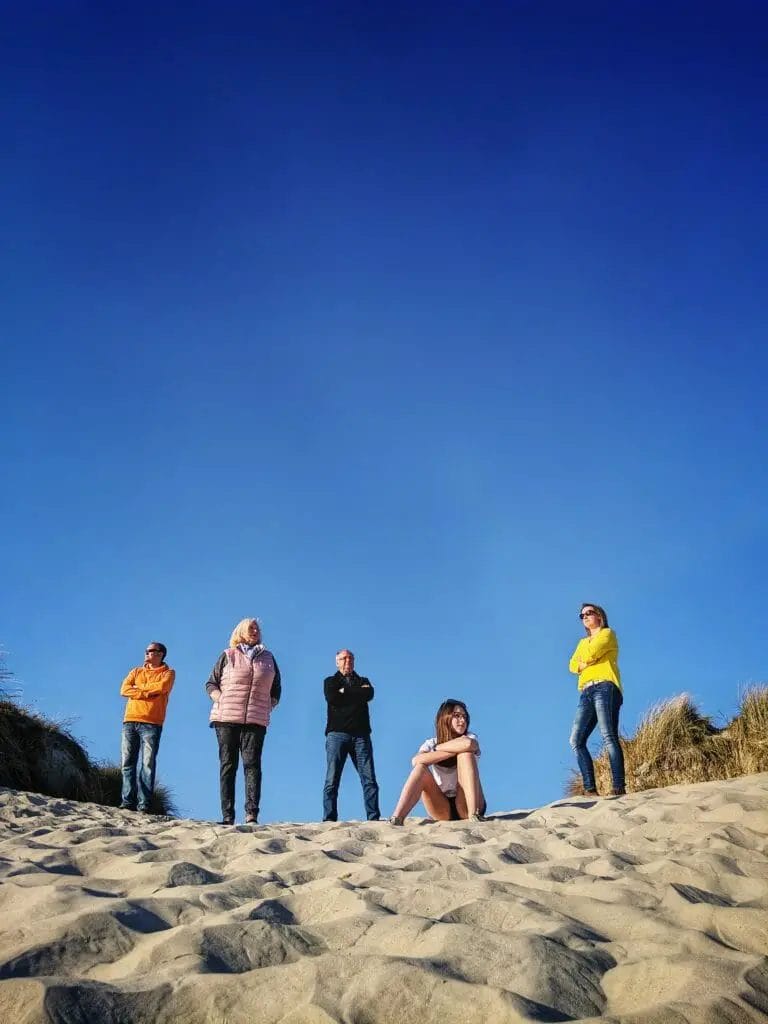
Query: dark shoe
618	792
251	819
226	821
127	807
590	792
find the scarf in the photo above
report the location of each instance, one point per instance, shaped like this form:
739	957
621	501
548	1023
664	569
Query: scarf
251	651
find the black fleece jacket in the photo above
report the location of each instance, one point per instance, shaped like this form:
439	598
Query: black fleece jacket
348	698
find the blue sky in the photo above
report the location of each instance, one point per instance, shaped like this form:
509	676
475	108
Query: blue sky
405	330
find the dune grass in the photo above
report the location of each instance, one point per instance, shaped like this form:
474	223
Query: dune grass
107	786
42	756
675	743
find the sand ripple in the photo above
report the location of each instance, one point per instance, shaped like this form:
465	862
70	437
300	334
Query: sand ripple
651	909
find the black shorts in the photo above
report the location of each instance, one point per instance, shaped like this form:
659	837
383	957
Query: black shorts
455	816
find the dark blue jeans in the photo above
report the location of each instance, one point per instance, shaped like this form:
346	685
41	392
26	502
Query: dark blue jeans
360	749
599	705
140	742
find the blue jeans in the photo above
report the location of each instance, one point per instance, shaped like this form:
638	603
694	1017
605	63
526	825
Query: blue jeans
147	737
337	746
598	705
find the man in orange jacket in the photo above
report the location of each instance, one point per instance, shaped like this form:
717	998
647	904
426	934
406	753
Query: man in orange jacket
147	689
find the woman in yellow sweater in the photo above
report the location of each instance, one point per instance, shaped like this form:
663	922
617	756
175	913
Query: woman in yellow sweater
596	662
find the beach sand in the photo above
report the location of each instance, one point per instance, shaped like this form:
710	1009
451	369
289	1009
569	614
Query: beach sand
650	908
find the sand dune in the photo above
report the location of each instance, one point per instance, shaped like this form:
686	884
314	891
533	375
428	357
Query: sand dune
652	908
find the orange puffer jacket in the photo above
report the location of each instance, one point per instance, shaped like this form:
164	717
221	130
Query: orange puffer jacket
147	691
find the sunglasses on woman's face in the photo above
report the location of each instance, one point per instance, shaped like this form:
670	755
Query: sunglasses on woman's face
585	615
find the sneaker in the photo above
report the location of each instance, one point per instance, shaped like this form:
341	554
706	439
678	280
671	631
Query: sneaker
396	820
618	792
251	819
127	807
226	821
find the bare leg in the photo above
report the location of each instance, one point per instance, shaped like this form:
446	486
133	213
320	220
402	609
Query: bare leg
420	785
469	795
411	792
435	801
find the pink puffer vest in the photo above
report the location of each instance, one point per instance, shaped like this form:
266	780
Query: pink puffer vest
245	689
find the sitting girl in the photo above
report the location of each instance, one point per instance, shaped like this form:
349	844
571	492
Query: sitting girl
445	776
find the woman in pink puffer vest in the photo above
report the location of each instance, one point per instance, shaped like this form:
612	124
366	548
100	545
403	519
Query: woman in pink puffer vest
244	686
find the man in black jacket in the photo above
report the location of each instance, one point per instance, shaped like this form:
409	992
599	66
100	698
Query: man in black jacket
348	732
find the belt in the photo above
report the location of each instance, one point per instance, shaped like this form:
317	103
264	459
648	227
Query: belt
594	682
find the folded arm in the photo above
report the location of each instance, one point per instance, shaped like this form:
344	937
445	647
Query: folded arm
597	648
335	691
129	688
338	692
138	686
460	745
159	687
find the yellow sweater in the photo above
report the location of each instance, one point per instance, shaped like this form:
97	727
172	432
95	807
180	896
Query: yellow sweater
147	691
601	654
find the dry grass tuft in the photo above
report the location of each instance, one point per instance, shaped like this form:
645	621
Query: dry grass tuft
748	731
676	744
39	755
6	677
107	781
42	756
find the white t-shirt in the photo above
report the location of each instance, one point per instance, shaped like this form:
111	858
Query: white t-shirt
446	778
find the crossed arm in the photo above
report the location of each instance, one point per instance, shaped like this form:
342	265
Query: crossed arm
338	696
160	688
461	745
602	644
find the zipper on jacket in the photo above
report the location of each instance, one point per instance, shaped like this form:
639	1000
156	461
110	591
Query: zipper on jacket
250	689
248	698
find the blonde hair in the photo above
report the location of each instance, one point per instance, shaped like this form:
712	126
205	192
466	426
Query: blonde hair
241	630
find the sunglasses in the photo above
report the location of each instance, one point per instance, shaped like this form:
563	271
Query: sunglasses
153	650
585	615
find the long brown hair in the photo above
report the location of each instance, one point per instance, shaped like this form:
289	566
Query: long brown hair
443	730
600	611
